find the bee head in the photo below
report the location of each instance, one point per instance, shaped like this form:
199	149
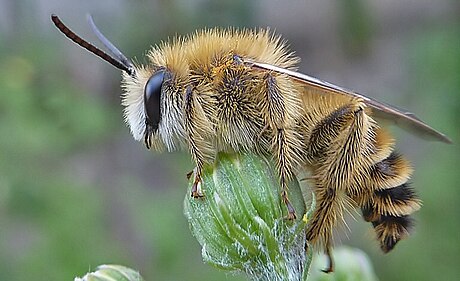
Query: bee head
152	108
143	103
143	92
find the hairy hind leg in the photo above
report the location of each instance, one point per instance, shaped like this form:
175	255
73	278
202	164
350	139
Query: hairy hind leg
337	142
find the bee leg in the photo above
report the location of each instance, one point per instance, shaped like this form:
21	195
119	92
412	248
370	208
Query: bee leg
284	169
329	129
196	143
338	155
278	122
330	260
264	129
196	187
284	196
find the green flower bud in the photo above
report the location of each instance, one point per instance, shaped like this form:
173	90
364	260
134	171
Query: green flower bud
111	273
350	265
241	220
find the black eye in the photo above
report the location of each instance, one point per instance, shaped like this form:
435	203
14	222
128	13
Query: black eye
152	93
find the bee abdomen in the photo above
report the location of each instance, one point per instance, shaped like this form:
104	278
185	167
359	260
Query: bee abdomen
391	200
392	171
391	229
396	201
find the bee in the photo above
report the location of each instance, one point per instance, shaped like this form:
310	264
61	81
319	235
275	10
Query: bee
239	90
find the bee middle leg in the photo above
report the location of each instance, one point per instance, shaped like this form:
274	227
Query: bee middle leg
278	121
284	169
336	142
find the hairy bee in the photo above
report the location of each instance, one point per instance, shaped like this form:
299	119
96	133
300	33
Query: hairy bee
229	90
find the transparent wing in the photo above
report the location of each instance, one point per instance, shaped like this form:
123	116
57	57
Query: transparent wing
403	119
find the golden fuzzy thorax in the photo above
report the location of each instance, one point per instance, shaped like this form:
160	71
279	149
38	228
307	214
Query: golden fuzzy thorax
202	61
211	101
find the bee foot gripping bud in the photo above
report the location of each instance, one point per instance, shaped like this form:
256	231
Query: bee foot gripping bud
196	187
241	224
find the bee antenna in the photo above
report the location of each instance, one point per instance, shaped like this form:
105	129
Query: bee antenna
112	49
120	61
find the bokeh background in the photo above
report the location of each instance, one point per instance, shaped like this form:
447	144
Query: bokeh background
77	191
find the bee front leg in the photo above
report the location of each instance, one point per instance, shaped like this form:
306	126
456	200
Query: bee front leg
194	120
196	187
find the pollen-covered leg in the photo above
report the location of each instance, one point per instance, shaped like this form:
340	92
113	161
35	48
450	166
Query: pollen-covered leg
339	159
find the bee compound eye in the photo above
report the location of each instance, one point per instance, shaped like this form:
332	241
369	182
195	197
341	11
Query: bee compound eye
152	99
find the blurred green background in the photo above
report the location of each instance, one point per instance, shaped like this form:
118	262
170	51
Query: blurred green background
77	191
